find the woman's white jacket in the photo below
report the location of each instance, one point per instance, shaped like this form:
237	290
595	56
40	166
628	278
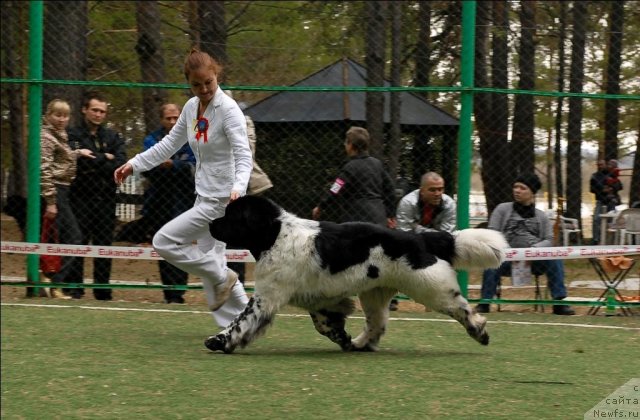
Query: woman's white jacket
223	157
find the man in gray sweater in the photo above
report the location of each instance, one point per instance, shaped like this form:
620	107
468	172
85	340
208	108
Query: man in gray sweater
524	226
426	209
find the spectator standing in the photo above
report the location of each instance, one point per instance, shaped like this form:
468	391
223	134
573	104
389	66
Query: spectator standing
259	182
363	190
169	194
598	183
613	186
605	185
57	171
524	226
215	128
427	208
403	185
93	192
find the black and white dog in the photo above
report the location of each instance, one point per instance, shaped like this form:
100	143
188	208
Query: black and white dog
319	266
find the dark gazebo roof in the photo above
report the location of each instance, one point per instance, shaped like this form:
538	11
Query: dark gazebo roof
300	107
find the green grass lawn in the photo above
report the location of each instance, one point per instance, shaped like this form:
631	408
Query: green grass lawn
72	362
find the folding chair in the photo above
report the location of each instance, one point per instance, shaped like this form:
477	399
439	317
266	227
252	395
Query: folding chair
629	227
538	293
611	276
567	227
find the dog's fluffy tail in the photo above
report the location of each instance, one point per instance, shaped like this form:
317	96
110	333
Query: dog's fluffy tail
479	248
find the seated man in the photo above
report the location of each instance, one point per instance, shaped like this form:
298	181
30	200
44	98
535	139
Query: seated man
524	226
426	209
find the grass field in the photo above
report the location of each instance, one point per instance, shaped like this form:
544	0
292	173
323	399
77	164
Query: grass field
72	360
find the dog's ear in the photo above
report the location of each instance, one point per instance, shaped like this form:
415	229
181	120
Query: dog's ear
261	212
250	222
253	209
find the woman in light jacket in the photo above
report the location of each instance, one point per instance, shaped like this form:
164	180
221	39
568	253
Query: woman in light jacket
216	130
57	171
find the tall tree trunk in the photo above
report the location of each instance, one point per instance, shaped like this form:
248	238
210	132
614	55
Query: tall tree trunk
396	103
213	31
149	49
612	79
65	52
499	101
522	146
194	22
491	110
557	155
433	45
423	46
634	192
11	42
375	58
482	102
574	130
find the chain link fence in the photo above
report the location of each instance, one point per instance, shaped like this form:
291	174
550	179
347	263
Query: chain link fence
556	88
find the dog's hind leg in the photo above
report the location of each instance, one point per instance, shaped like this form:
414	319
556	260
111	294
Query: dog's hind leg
375	304
330	322
462	312
248	325
448	300
437	288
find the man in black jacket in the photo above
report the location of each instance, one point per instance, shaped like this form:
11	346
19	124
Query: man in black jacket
93	192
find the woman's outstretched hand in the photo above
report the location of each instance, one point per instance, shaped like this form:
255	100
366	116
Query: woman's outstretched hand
122	173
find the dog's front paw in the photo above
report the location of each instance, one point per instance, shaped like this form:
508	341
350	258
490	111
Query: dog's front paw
346	346
217	343
367	348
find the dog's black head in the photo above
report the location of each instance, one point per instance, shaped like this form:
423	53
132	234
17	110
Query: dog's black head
249	222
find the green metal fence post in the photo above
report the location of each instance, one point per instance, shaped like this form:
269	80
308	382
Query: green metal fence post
465	145
36	14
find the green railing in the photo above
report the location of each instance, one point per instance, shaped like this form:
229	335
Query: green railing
465	146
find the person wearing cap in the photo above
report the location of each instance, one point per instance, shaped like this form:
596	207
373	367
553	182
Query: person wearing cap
524	226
